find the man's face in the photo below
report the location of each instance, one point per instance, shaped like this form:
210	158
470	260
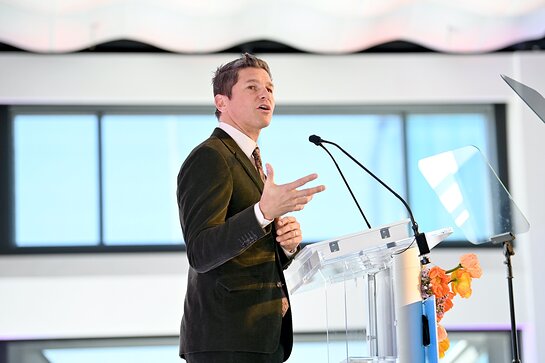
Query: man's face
251	105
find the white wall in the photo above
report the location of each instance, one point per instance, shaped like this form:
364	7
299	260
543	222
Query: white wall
141	294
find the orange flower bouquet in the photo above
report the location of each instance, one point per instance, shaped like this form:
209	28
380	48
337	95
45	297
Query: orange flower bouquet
445	285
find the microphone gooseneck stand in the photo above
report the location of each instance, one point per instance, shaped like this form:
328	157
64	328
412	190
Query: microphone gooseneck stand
348	186
506	240
419	237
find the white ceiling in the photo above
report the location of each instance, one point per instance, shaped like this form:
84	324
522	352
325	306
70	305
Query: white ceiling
318	26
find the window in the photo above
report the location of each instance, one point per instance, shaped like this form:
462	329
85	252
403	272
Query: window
56	173
89	179
141	158
434	132
465	346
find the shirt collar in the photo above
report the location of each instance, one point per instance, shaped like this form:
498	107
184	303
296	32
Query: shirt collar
244	142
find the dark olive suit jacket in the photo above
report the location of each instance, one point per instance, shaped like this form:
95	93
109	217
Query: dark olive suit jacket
235	281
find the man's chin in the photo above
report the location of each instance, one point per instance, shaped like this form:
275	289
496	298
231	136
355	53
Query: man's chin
265	122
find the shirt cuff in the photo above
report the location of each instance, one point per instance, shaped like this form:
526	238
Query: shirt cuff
264	222
289	253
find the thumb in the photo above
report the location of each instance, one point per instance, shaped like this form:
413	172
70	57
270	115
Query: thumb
270	173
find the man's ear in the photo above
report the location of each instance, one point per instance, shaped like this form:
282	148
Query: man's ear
220	102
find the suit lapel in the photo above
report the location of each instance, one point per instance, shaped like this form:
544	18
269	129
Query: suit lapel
256	178
240	156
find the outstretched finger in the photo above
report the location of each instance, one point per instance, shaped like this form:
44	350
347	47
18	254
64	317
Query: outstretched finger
270	173
301	181
309	192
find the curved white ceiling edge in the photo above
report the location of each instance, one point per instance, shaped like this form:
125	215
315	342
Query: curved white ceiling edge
318	27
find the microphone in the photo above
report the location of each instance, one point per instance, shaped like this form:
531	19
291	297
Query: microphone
420	237
317	140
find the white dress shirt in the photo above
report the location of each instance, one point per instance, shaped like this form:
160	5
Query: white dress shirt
248	145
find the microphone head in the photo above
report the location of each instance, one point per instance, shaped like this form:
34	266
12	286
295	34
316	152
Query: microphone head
315	139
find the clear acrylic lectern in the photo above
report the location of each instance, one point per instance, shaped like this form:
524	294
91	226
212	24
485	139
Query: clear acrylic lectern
366	278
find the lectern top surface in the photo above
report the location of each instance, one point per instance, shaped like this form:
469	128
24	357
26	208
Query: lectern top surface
352	256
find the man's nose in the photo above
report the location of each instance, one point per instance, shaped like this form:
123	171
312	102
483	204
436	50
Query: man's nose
264	94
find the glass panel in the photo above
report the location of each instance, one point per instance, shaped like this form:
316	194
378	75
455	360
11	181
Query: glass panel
56	183
472	194
428	134
142	155
374	140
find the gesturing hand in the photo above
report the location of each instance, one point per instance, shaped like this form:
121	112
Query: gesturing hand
278	200
288	233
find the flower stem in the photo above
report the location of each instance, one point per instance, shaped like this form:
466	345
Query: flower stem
454	269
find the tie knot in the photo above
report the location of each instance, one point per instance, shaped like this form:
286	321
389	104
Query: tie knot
256	154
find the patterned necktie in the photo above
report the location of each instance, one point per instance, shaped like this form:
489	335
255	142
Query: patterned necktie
258	164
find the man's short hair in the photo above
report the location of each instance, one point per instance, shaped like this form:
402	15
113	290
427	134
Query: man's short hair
226	76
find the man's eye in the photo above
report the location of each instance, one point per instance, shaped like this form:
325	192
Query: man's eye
252	87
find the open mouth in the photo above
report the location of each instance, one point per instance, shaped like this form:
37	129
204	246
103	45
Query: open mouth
264	107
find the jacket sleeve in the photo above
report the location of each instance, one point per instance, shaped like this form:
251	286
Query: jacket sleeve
205	188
